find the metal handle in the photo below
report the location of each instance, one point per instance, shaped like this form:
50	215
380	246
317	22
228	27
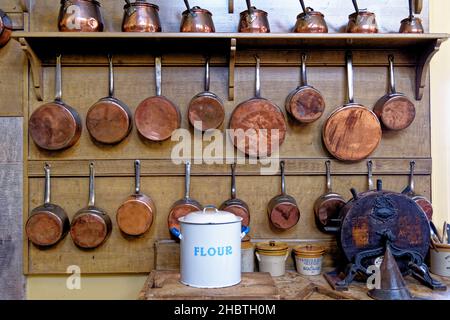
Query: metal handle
355	4
158	76
303	75
207	74
111	76
58	79
186	3
349	59
283	178
187	181
210	208
47	184
411	15
412	166
391	75
233	181
91	185
302	3
370	174
137	176
258	77
249	6
379	185
328	171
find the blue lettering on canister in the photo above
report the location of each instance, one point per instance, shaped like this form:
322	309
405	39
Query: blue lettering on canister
196	251
213	251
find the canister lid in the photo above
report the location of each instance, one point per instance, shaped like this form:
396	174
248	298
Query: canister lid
309	250
272	248
210	215
246	245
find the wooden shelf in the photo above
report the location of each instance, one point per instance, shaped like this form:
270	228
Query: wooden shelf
41	47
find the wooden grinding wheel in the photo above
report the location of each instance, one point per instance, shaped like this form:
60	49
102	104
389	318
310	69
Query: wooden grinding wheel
135	216
55	125
305	104
109	120
352	132
183	206
91	225
258	126
206	110
283	210
47	224
157	117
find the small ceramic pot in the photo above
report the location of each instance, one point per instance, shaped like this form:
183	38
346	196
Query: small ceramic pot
308	260
247	255
440	260
272	257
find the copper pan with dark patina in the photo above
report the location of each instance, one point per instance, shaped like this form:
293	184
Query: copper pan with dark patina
361	21
423	202
157	117
55	125
310	21
80	16
141	16
258	126
196	19
411	24
253	20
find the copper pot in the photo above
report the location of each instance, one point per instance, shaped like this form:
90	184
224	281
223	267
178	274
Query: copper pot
254	20
362	21
310	21
141	16
5	28
80	16
196	19
411	24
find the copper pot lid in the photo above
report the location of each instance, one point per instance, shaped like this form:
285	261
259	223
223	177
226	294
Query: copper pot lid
310	12
272	248
63	2
197	9
141	3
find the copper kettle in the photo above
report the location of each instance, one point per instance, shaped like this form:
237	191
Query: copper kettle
196	19
362	21
411	24
310	21
80	16
253	20
141	16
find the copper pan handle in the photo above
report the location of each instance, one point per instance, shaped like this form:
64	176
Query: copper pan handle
111	76
187	179
283	178
58	79
207	74
391	75
233	181
328	171
47	184
91	185
303	75
302	3
137	176
258	77
349	59
412	167
158	76
370	174
355	5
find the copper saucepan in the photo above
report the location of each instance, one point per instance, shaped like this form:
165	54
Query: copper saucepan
234	205
109	120
306	104
47	224
310	21
135	216
157	117
80	16
362	21
206	110
421	201
5	28
352	132
55	125
258	126
91	225
196	19
253	20
283	209
395	110
183	206
328	205
411	24
141	16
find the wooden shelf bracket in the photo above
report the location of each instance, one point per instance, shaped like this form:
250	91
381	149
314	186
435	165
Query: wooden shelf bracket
423	66
231	69
36	68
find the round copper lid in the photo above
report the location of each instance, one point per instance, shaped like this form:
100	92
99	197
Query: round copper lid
309	250
196	10
272	248
141	3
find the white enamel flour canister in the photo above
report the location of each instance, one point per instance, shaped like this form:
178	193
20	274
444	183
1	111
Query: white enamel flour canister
210	248
272	257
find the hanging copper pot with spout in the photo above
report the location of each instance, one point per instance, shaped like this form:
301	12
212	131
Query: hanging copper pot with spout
253	20
362	21
196	19
310	21
411	24
80	16
141	16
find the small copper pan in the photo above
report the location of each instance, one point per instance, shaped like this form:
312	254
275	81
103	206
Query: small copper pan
421	201
283	210
310	21
91	225
328	205
55	125
5	28
183	206
109	120
253	20
196	19
135	216
411	24
395	111
258	126
234	205
157	117
206	110
47	224
306	104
